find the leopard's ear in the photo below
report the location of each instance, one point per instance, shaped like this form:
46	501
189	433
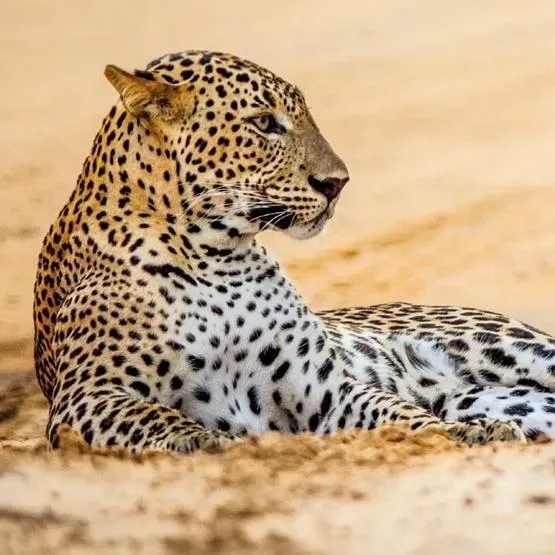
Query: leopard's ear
143	97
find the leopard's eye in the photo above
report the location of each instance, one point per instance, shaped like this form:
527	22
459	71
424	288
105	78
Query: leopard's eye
267	124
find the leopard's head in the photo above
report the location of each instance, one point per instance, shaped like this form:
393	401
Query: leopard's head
241	148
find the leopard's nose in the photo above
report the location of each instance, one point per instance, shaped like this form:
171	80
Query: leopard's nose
330	187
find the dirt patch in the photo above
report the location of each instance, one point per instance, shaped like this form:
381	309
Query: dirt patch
272	494
23	408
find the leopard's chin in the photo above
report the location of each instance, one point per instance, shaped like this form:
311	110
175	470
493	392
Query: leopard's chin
309	229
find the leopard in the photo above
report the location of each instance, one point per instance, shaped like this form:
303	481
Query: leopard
163	323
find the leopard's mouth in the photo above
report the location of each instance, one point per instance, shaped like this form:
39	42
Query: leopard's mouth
273	215
280	217
324	216
330	211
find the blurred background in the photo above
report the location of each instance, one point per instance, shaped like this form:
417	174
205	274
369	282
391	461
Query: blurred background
443	111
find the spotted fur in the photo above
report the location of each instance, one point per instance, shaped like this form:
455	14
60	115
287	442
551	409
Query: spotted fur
161	322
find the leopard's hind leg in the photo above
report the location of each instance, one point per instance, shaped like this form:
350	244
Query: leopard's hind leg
533	411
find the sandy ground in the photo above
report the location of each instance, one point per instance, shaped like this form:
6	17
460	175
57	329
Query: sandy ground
445	115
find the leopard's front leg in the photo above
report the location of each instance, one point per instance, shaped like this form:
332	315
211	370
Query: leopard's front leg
366	407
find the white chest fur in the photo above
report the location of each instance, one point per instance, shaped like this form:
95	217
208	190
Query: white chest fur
244	351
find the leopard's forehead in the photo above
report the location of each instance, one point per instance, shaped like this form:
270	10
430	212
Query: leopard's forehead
226	75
